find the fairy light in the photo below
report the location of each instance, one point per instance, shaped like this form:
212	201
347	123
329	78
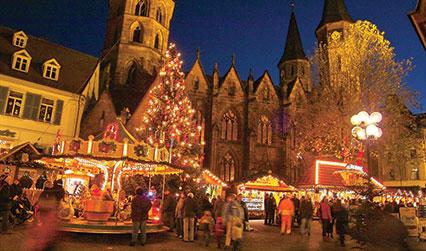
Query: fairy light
92	163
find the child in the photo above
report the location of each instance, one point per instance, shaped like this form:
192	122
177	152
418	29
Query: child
207	224
219	231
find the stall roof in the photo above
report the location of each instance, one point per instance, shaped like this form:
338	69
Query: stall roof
210	178
19	148
268	182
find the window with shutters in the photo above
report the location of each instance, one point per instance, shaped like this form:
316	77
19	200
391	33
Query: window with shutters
46	110
229	130
20	39
58	112
51	69
227	168
21	61
14	103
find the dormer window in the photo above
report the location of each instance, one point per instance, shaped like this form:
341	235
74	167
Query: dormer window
20	39
51	69
21	61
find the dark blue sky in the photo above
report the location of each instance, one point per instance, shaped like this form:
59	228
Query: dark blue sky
254	30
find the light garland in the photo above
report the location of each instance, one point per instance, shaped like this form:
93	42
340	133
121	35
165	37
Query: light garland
96	164
215	178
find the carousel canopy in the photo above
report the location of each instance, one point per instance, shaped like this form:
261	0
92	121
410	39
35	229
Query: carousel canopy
267	182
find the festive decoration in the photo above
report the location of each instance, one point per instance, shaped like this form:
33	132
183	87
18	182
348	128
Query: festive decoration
107	147
75	145
141	150
169	120
57	146
267	183
111	132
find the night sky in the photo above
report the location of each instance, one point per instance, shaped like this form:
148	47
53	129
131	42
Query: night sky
254	30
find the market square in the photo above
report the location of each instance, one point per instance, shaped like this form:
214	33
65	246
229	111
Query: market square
122	126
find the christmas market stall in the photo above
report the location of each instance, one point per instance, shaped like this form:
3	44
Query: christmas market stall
334	179
214	185
255	189
93	172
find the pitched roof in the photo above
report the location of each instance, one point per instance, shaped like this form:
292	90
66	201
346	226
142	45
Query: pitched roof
76	67
293	45
334	11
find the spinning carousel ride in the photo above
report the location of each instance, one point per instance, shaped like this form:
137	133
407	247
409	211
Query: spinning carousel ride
101	163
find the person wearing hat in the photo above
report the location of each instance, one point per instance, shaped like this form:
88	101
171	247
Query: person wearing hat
189	209
140	208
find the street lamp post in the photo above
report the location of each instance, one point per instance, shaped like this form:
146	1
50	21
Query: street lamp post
366	129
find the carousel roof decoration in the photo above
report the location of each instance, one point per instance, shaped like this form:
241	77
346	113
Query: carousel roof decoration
267	182
210	178
335	175
116	152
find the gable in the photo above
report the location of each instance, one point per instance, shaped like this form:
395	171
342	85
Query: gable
265	85
231	83
196	74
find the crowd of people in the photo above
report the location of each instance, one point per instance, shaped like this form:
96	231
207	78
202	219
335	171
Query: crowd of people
223	218
292	210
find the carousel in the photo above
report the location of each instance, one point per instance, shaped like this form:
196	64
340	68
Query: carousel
94	172
255	190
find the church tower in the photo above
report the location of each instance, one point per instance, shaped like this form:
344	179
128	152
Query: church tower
335	17
293	63
136	39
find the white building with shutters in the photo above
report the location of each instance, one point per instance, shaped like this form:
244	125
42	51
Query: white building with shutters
44	89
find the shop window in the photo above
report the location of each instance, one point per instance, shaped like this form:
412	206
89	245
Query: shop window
264	131
51	69
14	103
229	126
21	61
227	169
46	110
20	39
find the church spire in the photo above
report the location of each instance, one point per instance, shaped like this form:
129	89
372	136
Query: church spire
293	46
334	11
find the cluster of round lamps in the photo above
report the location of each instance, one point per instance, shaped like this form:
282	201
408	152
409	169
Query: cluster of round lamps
365	125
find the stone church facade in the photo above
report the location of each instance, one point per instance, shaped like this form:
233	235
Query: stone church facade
244	119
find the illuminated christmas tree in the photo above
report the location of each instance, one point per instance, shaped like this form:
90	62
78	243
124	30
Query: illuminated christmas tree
169	120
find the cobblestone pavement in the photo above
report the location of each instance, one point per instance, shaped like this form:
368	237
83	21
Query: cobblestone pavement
262	239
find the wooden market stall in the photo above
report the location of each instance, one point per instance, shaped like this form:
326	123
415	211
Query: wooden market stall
214	185
255	189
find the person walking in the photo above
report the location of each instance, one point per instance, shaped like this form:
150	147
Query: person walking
234	216
207	225
325	216
179	215
286	210
272	205
341	216
218	207
306	213
246	213
140	208
296	203
169	209
266	207
5	202
189	209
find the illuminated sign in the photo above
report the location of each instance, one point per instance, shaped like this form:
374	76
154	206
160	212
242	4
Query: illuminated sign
354	167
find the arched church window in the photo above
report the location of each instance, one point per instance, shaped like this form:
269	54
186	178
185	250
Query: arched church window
231	89
142	8
196	83
137	34
131	74
266	94
227	168
264	131
201	124
229	126
159	16
157	42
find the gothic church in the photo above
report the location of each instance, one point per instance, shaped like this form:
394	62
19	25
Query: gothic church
243	118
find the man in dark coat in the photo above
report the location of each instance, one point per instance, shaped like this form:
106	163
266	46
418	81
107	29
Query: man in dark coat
5	202
272	205
266	206
26	181
15	189
169	208
41	180
341	215
189	210
140	208
306	213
